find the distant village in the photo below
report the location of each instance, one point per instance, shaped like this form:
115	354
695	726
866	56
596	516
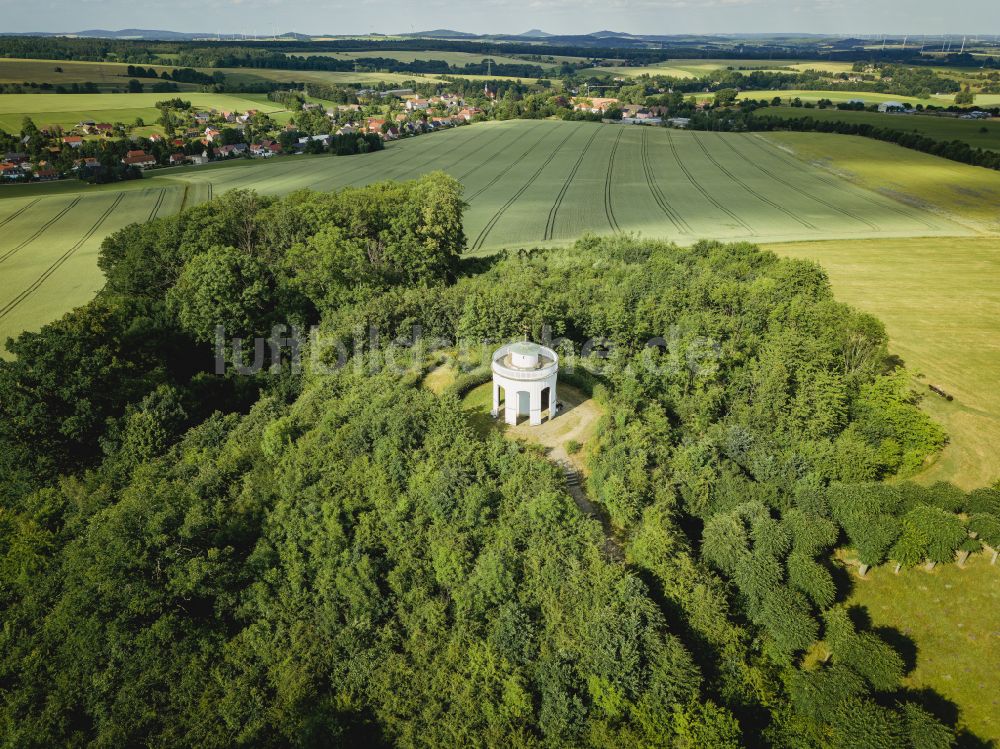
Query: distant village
115	151
104	151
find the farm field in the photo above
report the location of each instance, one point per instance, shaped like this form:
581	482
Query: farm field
951	617
984	100
940	302
695	68
68	109
931	184
526	182
107	75
940	128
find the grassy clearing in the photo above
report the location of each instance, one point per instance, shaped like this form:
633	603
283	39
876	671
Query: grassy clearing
528	183
950	617
979	133
577	421
940	302
66	110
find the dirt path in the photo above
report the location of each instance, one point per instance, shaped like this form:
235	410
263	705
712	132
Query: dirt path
574	483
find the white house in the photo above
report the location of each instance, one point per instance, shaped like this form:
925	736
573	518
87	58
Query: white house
524	380
891	106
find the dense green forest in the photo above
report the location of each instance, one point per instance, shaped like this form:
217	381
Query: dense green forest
335	556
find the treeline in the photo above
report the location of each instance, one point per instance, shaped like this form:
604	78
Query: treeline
182	75
955	150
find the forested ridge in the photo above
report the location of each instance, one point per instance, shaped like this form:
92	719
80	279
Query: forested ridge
336	557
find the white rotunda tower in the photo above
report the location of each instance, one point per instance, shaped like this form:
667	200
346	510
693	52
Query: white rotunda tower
524	378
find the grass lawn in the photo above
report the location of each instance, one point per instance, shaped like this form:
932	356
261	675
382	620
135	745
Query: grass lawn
68	109
577	422
949	619
940	128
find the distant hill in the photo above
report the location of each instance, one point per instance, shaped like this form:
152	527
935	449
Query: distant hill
444	34
151	34
535	34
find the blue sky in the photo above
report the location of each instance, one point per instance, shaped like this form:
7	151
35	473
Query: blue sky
510	16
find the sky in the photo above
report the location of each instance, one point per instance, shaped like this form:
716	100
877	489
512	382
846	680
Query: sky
266	17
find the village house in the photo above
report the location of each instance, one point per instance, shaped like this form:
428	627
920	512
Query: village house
73	141
235	149
140	159
211	134
417	105
90	161
594	105
177	158
265	149
469	112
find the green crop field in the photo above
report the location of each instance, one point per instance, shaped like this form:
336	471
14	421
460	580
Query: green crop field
980	133
68	109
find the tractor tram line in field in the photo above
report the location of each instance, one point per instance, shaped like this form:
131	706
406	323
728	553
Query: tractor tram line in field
800	191
484	232
507	168
41	230
550	225
654	188
157	204
745	186
458	155
36	284
461	177
705	193
609	210
18	212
